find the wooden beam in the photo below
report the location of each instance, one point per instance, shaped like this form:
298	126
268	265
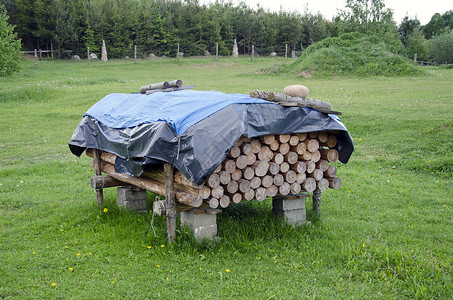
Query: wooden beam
170	202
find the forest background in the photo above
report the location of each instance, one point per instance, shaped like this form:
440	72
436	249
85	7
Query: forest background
159	26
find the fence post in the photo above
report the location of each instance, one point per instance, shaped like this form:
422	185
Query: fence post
177	54
415	57
88	55
286	50
36	59
253	52
135	54
51	49
216	51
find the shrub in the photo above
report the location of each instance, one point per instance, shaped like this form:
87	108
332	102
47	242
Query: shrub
441	48
9	46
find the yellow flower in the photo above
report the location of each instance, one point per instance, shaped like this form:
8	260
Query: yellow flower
71	269
167	278
360	139
363	245
227	270
106	210
201	269
34	252
54	284
78	254
158	266
149	247
162	246
113	281
89	253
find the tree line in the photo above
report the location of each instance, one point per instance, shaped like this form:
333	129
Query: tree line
158	26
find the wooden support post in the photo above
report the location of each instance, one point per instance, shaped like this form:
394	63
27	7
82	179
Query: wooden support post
317	201
135	54
98	172
286	50
36	59
216	51
51	49
253	52
88	55
170	203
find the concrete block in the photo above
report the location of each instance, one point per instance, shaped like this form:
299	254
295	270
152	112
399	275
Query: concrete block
205	232
203	223
294	217
197	220
286	205
131	199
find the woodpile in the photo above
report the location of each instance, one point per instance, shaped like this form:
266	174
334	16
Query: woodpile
256	168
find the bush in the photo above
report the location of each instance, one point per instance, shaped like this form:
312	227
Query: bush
9	46
354	54
441	48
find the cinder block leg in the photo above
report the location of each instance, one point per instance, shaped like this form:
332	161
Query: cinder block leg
203	223
293	210
317	202
134	199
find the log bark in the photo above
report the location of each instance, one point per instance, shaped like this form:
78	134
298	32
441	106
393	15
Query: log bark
246	148
300	148
170	202
309	185
232	187
310	166
291	176
323	184
294	140
265	154
331	141
295	188
224	201
213	202
278	158
331	172
251	158
242	162
301	178
229	166
261	168
244	185
278	179
323	165
334	183
284	189
260	194
213	180
274	168
284	167
315	156
272	191
249	195
248	173
284	148
312	145
236	175
256	146
217	192
236	198
291	157
301	136
331	155
300	167
274	146
255	183
267	181
106	181
225	177
98	172
316	174
283	138
235	152
268	139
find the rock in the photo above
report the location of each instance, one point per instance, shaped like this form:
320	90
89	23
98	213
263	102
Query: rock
296	91
207	53
104	52
235	49
152	55
93	56
180	54
273	54
75	57
126	57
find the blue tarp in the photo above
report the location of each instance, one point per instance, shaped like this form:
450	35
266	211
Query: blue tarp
181	109
192	130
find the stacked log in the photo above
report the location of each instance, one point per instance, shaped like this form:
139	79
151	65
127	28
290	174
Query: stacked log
255	168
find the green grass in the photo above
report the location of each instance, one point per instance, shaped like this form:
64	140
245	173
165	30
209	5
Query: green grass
387	233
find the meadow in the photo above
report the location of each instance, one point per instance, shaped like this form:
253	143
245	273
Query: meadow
385	234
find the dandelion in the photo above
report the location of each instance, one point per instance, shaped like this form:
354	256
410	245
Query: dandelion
78	254
106	210
34	252
113	281
61	229
54	284
227	270
71	269
166	279
200	269
360	139
363	245
149	247
162	246
89	253
158	266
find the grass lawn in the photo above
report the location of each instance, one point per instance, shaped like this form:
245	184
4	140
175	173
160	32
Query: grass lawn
387	233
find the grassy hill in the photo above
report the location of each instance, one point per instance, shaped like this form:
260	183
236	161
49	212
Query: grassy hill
353	54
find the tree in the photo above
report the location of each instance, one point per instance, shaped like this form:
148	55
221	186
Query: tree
365	16
441	47
407	27
9	46
435	26
417	44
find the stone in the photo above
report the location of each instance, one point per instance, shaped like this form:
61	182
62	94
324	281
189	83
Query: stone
104	52
273	54
235	52
126	57
93	56
75	57
133	199
296	91
293	210
207	53
203	223
152	55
